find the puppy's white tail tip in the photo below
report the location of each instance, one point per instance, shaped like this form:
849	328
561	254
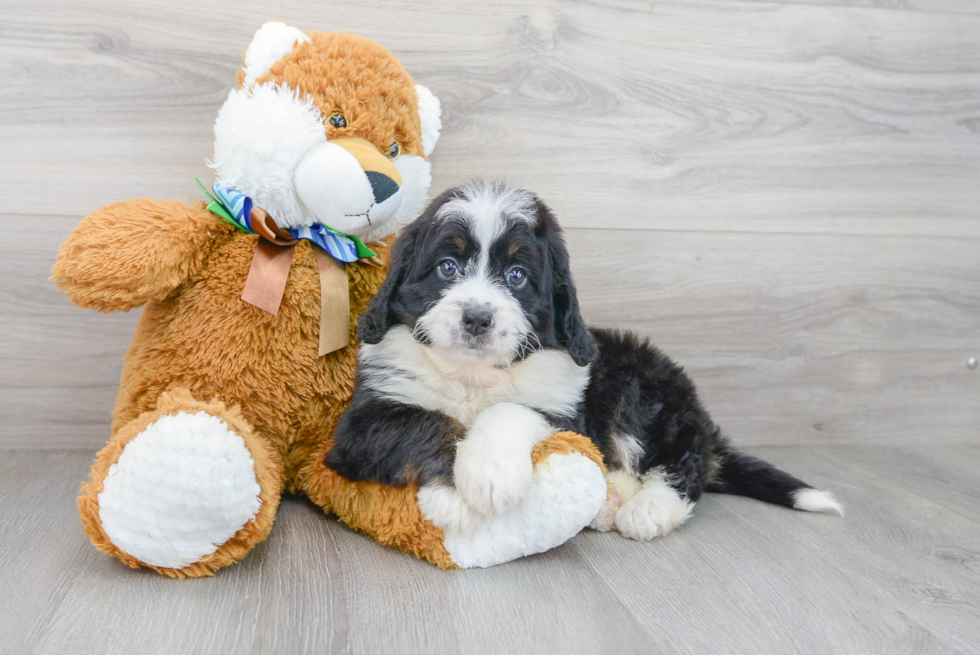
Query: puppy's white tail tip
814	500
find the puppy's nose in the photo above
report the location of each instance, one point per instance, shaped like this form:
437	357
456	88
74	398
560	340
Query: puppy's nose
477	321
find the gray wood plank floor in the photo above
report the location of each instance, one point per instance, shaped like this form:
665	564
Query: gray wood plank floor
783	194
899	574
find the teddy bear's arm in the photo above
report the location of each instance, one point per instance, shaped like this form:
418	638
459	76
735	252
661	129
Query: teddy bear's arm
129	253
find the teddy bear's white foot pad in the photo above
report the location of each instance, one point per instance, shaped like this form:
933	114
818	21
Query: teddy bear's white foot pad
567	491
181	488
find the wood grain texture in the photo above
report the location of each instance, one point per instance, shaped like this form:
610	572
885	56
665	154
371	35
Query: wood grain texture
683	115
898	574
940	6
790	338
795	184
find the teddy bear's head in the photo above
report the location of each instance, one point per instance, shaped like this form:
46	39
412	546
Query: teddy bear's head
327	128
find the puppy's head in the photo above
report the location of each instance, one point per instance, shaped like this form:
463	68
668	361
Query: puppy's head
482	275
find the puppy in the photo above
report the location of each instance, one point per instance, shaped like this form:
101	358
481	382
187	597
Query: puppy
474	351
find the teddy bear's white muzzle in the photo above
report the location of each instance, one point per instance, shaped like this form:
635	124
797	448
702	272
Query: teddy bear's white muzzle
348	185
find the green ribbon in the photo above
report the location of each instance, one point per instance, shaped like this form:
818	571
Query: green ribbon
216	207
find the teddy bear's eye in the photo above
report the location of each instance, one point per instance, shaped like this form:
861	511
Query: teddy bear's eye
394	150
338	120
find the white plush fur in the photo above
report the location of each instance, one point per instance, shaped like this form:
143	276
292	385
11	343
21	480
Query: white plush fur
814	500
181	488
416	175
566	493
273	41
430	112
260	136
402	369
333	187
270	144
493	462
653	511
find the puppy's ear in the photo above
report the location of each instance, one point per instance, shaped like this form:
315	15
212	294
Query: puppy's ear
570	330
381	314
378	319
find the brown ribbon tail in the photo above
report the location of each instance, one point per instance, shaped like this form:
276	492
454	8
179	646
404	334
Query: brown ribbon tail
334	303
267	276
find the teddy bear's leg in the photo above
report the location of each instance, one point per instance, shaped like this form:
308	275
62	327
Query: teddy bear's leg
185	489
567	491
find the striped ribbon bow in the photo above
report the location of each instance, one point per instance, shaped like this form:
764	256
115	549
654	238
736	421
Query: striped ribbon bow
236	208
266	281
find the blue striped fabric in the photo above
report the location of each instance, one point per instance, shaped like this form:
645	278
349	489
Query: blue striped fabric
340	247
239	206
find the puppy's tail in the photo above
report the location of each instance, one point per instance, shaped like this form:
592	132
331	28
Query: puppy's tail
742	475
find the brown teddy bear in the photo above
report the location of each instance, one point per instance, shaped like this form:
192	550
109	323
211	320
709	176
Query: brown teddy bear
244	357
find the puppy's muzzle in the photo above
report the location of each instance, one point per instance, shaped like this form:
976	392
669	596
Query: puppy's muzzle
477	321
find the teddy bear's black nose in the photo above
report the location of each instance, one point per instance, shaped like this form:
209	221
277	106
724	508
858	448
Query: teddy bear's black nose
383	186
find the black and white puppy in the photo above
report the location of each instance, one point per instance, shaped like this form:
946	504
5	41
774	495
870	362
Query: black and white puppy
474	351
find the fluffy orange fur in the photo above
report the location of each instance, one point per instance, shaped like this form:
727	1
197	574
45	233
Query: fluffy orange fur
198	347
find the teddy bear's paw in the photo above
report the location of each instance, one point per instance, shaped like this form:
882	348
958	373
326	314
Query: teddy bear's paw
181	488
654	511
567	491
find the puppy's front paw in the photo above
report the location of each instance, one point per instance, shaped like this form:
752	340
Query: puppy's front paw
491	477
447	510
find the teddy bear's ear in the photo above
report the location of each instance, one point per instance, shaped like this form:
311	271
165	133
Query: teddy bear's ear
271	42
429	112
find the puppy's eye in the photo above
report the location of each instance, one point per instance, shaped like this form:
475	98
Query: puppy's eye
338	120
394	150
448	269
516	277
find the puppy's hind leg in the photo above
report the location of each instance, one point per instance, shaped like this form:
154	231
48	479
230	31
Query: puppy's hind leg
654	510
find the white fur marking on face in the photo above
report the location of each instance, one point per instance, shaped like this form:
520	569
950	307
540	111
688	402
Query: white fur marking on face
487	207
405	371
273	41
567	491
654	511
181	488
814	500
442	324
493	462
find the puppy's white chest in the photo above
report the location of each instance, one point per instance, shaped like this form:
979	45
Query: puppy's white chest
403	370
464	400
